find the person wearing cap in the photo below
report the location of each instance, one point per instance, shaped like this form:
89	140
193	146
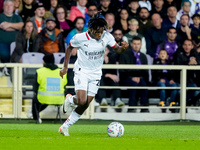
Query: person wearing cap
51	38
49	87
38	19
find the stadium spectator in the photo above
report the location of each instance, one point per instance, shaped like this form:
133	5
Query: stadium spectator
51	38
122	21
79	28
117	33
92	9
164	78
144	21
50	6
132	77
146	4
185	31
46	92
62	22
185	9
53	5
38	20
155	35
110	19
158	7
170	45
188	56
171	20
196	26
10	24
133	26
106	7
79	10
109	78
27	9
133	9
16	6
26	41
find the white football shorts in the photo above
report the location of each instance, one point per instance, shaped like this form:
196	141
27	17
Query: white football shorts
89	82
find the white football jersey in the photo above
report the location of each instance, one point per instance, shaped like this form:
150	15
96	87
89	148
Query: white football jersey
90	53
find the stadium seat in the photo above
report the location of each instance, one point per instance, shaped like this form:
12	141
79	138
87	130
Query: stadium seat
32	58
29	73
58	57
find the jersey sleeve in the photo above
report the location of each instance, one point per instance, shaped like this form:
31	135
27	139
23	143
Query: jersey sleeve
111	41
74	41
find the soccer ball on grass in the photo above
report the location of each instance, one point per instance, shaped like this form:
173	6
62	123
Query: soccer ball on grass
115	129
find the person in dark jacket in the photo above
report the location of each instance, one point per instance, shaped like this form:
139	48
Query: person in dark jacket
164	78
188	56
26	41
155	35
133	77
51	38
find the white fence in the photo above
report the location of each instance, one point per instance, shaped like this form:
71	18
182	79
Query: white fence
89	114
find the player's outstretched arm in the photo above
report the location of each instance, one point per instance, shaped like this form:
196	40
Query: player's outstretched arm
120	49
63	71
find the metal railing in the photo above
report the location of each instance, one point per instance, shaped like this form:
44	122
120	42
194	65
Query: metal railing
89	114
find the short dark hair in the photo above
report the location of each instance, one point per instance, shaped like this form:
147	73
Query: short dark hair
130	1
77	20
171	6
170	28
188	40
60	6
136	38
143	8
195	15
115	29
185	15
91	4
163	50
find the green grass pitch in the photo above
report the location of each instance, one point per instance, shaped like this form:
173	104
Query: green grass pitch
92	135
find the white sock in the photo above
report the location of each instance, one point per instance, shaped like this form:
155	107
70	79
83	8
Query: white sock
72	119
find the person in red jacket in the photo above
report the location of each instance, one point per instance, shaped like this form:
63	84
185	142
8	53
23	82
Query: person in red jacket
79	10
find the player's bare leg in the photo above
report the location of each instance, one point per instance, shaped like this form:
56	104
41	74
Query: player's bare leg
83	102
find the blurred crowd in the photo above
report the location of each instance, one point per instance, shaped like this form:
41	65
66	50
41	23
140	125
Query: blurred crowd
159	32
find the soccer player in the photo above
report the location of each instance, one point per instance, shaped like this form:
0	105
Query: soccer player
87	68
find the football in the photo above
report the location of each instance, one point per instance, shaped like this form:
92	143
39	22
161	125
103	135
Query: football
115	129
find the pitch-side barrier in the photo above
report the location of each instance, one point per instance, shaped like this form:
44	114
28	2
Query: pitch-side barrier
17	86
